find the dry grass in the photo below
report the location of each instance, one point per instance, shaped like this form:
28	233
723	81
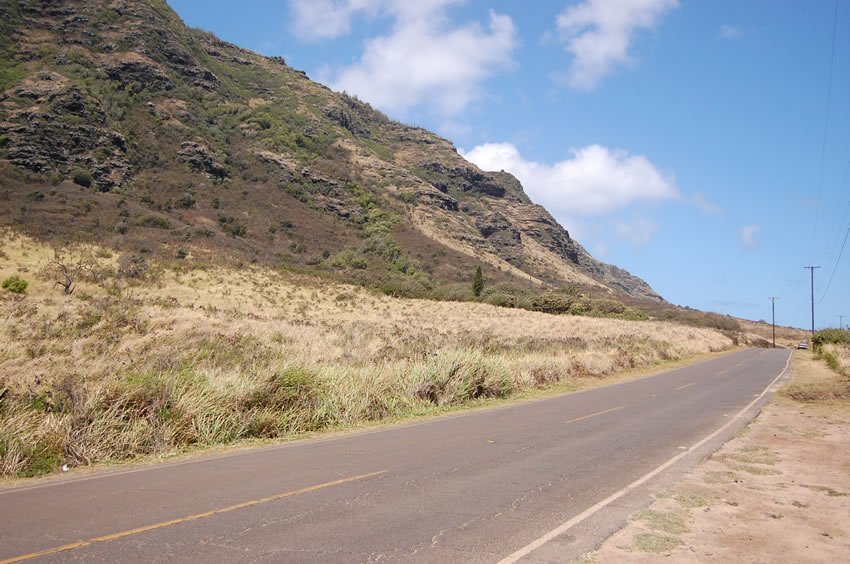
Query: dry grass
201	357
837	357
819	386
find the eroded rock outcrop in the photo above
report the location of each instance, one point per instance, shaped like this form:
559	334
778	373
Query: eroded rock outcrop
62	130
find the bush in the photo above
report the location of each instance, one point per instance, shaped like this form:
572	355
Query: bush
833	336
350	259
501	300
155	221
607	307
552	302
186	201
15	284
404	287
82	178
453	293
505	288
232	226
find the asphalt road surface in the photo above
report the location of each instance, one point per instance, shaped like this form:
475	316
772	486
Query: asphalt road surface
476	487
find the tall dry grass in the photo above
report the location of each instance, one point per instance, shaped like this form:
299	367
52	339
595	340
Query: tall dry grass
192	357
837	357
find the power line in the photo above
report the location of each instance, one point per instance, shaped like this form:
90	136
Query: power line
843	216
836	266
825	122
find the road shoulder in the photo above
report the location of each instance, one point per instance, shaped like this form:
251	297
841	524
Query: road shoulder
779	491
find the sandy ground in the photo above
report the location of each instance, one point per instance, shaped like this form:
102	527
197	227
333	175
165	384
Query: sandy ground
779	492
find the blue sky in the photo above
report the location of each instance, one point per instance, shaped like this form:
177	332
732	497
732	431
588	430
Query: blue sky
690	142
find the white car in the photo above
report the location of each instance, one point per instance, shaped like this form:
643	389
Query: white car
804	345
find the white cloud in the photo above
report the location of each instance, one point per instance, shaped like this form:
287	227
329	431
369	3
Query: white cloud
423	60
748	234
594	182
599	34
699	200
638	231
328	19
730	32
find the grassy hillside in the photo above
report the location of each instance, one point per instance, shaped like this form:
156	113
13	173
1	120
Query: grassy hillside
151	359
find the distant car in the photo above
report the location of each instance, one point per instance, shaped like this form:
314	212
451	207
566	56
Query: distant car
804	345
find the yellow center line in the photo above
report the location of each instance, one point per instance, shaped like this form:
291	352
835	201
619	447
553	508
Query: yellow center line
195	517
589	416
685	386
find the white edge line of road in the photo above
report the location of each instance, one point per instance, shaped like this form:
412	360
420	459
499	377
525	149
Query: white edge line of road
321	440
554	533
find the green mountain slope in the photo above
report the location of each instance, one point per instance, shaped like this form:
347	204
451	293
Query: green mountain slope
119	124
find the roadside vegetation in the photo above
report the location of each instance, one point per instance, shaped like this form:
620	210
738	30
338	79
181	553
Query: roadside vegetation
832	347
146	359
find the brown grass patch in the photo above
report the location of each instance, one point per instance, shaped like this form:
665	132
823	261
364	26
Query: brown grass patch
196	357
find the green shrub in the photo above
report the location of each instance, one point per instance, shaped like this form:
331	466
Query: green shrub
404	287
506	288
607	308
186	201
453	293
552	302
833	336
15	284
82	178
155	222
501	300
350	259
232	226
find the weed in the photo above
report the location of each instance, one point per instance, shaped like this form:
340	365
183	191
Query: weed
755	454
720	477
665	521
650	542
756	470
15	284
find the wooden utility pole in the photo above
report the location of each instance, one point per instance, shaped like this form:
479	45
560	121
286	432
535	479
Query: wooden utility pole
812	271
773	317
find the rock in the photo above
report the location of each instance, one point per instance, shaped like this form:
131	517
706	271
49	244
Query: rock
465	179
199	158
138	74
64	132
347	120
496	225
437	199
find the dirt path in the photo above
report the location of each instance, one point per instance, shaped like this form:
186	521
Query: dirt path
780	491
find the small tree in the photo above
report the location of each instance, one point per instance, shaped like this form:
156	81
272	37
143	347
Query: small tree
68	272
478	282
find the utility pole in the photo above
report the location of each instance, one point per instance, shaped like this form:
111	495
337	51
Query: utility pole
773	316
841	322
812	271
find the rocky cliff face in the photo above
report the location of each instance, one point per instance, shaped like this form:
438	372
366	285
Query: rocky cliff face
142	133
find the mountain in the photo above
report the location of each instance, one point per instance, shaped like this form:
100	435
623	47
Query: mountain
118	124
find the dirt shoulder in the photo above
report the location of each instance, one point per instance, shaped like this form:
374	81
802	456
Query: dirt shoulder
779	491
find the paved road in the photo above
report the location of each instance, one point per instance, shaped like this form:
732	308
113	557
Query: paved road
474	487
